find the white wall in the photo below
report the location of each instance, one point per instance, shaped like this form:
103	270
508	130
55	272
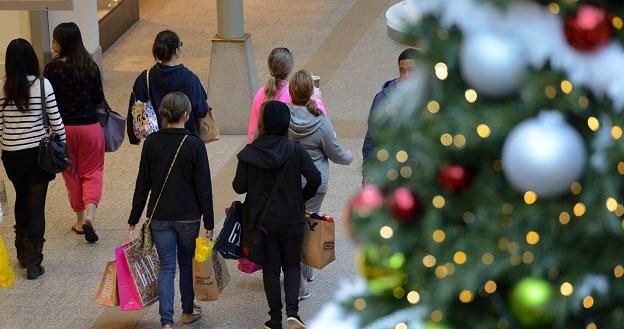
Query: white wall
85	16
13	24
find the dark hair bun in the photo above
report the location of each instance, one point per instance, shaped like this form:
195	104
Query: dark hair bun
173	106
165	45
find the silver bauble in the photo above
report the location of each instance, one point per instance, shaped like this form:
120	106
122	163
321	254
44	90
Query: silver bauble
492	64
544	154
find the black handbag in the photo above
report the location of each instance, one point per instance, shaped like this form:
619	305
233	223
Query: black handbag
53	156
254	230
228	242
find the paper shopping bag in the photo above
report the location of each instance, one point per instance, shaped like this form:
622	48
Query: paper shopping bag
107	294
210	277
137	276
7	277
319	239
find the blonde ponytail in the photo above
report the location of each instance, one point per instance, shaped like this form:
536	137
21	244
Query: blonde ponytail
280	65
301	89
313	108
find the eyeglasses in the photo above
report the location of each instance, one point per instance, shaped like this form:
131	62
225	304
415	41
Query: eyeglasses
180	44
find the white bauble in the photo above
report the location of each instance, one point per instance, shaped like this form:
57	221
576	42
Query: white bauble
544	154
492	64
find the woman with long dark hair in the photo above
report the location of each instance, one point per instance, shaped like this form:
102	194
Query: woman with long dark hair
21	129
166	76
78	85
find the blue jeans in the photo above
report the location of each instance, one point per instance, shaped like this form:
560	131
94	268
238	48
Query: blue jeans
170	236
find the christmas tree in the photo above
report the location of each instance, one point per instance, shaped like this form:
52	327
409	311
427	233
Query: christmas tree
496	199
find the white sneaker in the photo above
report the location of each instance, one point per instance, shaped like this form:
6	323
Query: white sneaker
190	318
167	326
295	322
305	296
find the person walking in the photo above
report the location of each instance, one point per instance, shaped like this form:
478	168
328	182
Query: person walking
78	85
274	159
280	64
168	75
21	129
314	130
174	168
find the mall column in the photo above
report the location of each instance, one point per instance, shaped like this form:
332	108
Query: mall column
233	78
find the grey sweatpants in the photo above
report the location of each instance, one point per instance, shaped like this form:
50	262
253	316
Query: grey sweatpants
307	272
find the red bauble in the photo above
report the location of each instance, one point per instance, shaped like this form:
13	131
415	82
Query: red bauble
404	204
453	178
588	29
369	199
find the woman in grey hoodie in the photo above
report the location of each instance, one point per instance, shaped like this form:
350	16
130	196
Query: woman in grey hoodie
314	131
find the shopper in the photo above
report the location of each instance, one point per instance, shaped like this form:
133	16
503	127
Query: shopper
314	130
280	66
177	202
78	85
168	75
21	129
273	159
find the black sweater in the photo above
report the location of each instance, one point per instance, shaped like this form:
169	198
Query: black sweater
188	193
259	166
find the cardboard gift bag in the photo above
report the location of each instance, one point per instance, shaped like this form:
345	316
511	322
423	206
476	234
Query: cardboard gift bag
107	294
210	277
319	239
137	276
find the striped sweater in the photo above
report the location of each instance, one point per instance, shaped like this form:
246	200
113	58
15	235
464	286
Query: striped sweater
20	130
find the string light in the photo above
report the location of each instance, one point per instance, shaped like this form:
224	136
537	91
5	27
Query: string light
401	156
406	172
553	8
532	238
429	261
392	174
438	201
592	326
441	272
566	86
616	132
530	197
359	304
576	188
566	289
471	95
593	123
383	155
401	325
579	209
459	141
620	167
466	296
619	211
583	102
564	218
439	236
441	71
433	106
487	259
446	139
588	302
611	204
483	131
386	232
617	22
490	287
527	257
618	272
398	292
437	316
413	297
460	258
550	92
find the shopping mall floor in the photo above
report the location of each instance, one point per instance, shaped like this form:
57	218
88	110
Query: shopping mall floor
343	41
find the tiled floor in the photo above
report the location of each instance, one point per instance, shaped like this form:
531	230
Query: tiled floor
64	296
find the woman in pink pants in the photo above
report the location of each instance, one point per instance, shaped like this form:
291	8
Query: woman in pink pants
78	85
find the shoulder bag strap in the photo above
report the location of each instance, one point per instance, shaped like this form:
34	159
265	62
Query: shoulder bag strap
273	192
147	82
166	178
44	113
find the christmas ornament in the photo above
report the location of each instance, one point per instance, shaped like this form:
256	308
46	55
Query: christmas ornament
492	64
588	29
544	155
368	264
368	200
384	285
530	302
404	204
453	177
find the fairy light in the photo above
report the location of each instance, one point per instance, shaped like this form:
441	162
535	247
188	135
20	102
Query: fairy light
564	218
576	188
441	71
401	325
433	106
392	174
618	272
460	258
515	260
359	304
483	131
398	292
513	247
611	204
497	165
386	232
413	297
402	156
466	296
588	302
439	236
490	287
583	102
591	326
471	95
554	8
383	155
616	132
527	257
620	167
468	217
441	272
566	86
503	244
487	259
450	268
530	197
579	209
438	201
550	92
532	238
617	22
459	141
593	123
437	316
619	211
406	172
446	139
429	261
566	289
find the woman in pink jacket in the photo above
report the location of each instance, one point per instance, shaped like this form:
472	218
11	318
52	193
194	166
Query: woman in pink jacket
280	65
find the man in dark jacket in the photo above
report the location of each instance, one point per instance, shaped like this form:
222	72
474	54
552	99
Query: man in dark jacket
406	66
273	159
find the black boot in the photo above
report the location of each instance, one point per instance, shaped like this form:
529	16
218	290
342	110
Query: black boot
34	257
21	234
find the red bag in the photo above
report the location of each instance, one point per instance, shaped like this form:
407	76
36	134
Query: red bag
247	266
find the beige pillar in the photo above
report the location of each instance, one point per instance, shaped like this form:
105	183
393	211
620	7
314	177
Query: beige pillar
233	79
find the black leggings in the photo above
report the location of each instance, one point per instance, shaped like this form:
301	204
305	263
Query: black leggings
31	187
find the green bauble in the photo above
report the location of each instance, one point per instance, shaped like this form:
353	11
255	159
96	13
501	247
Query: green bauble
432	325
530	302
384	286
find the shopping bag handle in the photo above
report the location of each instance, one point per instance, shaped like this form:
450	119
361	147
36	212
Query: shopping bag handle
130	236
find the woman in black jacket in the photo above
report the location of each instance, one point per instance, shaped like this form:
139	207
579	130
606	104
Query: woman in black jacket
273	159
178	201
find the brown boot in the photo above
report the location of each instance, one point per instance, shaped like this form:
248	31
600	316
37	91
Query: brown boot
21	234
34	257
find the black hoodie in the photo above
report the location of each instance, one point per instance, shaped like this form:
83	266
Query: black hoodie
260	163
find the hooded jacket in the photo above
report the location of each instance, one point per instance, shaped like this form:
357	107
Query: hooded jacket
261	163
318	137
369	143
164	79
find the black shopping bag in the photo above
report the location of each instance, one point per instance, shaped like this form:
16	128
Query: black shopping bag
229	240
